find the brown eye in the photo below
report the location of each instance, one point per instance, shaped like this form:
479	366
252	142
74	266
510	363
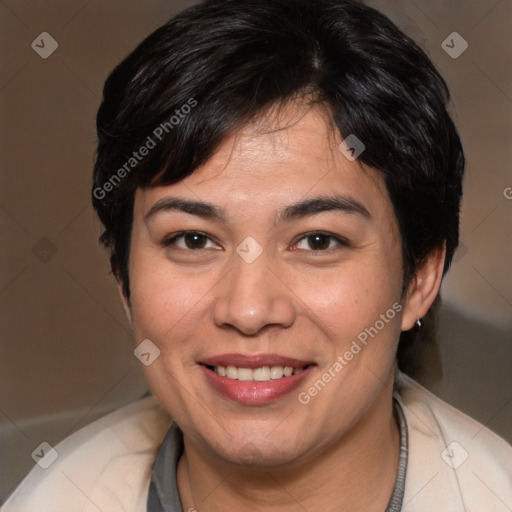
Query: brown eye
190	240
195	240
319	242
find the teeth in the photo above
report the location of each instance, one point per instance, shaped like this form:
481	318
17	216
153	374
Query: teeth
245	374
232	372
276	372
262	374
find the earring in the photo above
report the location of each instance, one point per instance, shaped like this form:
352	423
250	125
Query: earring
418	323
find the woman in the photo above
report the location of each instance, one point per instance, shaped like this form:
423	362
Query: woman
280	185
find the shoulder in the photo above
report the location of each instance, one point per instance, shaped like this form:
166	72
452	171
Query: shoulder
455	463
106	465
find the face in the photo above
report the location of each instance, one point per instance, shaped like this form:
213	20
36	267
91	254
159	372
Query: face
277	256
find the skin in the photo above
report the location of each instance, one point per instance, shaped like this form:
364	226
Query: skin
339	451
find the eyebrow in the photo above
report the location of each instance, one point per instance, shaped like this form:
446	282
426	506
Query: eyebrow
198	208
301	209
308	207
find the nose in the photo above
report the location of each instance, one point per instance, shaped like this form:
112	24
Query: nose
252	297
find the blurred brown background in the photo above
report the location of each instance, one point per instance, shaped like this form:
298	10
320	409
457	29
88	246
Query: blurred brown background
66	351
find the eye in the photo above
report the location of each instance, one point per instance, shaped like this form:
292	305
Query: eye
190	240
319	241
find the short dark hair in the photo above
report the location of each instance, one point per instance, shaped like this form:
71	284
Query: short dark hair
228	61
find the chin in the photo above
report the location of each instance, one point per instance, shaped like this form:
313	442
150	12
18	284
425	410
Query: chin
257	450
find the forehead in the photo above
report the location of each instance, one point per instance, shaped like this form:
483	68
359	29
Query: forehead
282	157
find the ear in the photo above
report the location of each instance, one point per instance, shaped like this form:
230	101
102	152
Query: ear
125	303
423	288
120	288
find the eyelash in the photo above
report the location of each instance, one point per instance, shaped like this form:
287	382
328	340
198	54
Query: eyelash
340	240
169	241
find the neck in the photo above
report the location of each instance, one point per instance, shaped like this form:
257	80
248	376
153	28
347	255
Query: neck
357	473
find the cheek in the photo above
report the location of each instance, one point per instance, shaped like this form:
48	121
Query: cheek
166	305
351	294
352	298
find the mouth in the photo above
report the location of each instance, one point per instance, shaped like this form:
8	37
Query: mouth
255	380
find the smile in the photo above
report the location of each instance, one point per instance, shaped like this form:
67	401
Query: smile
255	380
261	374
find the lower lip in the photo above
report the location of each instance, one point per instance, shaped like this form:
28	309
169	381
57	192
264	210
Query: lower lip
252	392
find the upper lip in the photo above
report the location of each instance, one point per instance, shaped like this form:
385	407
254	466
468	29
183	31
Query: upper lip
254	361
